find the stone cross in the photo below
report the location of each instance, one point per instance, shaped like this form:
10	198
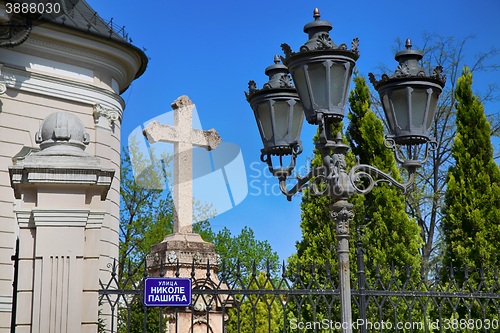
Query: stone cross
184	137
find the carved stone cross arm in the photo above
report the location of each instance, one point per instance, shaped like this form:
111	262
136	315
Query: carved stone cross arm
155	132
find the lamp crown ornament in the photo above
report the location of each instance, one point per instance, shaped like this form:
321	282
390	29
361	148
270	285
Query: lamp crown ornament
319	39
409	67
279	78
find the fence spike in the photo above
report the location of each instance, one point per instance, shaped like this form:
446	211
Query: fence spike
254	269
452	274
283	274
162	274
208	267
268	274
192	270
177	269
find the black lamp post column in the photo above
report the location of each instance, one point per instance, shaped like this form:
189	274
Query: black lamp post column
342	215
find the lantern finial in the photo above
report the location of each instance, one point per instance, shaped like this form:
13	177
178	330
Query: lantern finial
316	14
408	44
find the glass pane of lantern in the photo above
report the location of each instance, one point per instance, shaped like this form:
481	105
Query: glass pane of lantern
337	79
264	114
281	114
388	112
317	75
300	83
432	109
400	102
347	82
418	105
297	119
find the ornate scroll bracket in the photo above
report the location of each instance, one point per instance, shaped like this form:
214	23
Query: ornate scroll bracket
112	115
3	87
3	83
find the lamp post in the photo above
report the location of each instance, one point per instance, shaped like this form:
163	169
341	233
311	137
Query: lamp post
321	71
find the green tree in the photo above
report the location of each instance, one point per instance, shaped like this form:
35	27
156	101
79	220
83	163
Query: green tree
389	235
145	214
471	222
472	214
242	252
257	313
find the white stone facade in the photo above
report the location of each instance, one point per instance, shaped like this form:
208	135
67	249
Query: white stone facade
61	69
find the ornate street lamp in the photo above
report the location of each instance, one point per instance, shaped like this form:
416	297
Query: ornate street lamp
322	72
278	111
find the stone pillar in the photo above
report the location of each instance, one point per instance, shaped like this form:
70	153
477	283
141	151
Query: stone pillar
186	249
59	192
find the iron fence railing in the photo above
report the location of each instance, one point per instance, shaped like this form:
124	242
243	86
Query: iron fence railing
306	299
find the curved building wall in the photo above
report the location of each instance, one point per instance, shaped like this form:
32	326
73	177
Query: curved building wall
60	69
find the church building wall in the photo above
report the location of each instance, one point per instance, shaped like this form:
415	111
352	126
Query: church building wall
60	69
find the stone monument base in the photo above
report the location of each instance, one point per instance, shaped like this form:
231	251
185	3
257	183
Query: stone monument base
181	255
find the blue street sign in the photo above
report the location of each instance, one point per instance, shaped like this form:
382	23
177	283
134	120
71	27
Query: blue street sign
167	291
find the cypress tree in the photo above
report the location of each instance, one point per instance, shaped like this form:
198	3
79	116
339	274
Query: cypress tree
471	221
389	235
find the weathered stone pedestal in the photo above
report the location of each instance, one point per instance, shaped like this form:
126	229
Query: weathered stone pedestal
178	253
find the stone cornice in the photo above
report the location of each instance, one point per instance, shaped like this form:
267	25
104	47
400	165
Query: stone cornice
61	88
22	175
77	53
131	60
58	217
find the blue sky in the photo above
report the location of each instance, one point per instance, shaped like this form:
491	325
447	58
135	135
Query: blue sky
209	50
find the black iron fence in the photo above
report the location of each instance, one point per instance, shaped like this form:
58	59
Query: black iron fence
306	299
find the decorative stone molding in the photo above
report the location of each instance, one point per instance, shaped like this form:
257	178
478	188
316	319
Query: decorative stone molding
56	217
47	85
72	52
24	218
112	115
172	257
